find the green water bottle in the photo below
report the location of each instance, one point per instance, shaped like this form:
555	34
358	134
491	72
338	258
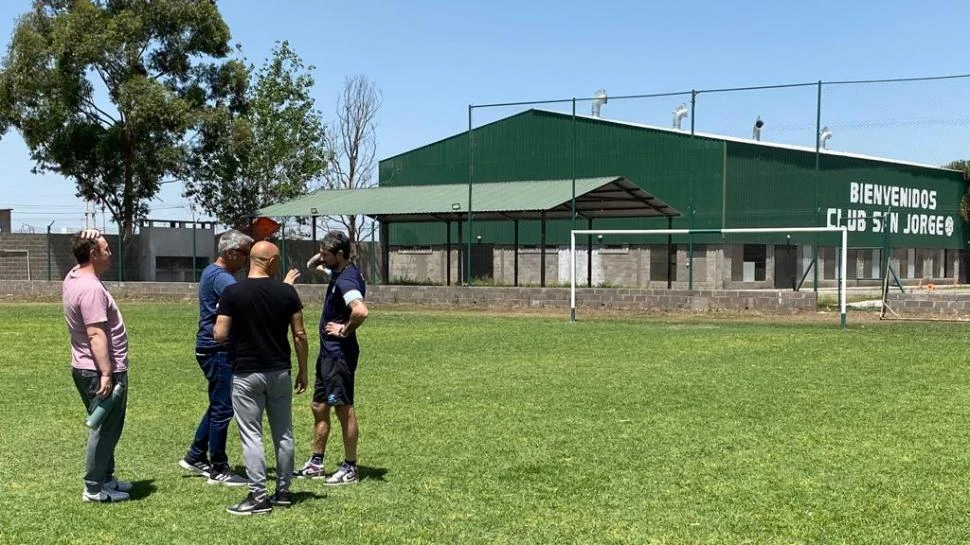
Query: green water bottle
101	407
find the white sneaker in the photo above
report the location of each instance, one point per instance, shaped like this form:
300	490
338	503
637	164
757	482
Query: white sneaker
105	496
120	486
345	474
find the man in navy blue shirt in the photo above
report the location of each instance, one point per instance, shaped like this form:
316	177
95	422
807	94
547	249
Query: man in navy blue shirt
207	454
343	312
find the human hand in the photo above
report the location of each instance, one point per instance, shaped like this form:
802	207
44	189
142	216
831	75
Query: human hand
104	387
301	382
334	329
291	276
314	261
89	234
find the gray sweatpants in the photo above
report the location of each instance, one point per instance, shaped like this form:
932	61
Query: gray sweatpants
251	393
99	464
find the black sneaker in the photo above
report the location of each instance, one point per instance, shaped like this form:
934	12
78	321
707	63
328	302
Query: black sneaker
199	468
281	499
252	506
226	478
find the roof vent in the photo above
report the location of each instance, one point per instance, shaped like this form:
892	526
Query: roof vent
599	99
823	136
756	131
680	112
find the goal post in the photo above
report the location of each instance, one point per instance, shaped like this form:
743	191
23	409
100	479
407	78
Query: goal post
842	261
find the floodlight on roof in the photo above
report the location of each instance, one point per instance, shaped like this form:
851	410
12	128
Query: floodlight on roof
680	112
823	136
756	131
599	99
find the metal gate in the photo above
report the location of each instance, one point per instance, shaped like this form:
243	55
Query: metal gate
785	267
482	263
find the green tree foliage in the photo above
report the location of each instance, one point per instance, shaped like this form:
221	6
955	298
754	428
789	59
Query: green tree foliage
265	149
104	91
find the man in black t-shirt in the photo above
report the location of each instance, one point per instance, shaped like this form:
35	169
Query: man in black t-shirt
254	315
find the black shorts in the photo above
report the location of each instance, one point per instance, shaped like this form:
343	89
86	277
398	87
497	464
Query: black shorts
334	384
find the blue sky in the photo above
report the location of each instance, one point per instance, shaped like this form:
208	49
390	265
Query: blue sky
431	59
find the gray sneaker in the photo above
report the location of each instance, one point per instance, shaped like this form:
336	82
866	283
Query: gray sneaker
345	474
227	478
199	468
107	495
120	486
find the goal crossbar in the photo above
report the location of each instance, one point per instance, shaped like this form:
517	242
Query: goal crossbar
842	261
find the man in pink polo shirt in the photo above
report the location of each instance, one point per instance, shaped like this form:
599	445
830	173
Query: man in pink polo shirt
99	361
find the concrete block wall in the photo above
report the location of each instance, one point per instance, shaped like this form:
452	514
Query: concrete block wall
930	304
614	267
595	299
16	247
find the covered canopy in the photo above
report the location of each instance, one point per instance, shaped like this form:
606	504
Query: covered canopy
609	197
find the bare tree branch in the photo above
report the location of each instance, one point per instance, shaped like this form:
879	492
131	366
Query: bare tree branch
90	103
354	142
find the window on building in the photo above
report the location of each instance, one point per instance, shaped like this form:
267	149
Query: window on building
851	265
901	262
830	260
754	259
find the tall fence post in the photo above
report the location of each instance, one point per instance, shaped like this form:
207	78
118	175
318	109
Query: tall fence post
573	224
471	174
195	273
285	264
49	272
121	254
818	142
690	219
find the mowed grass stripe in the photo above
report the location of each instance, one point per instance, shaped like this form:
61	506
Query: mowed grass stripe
484	428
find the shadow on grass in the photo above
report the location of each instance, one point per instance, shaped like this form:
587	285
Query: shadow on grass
366	473
303	495
142	489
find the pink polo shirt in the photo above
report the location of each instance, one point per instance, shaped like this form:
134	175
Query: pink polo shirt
87	302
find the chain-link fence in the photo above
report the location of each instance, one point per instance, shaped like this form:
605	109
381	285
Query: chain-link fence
855	153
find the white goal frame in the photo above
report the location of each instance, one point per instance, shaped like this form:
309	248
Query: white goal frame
842	261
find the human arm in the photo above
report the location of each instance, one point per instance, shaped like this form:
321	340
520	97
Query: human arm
316	263
220	331
358	313
98	339
302	350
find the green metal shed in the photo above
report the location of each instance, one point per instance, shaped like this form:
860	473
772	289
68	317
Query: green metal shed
726	182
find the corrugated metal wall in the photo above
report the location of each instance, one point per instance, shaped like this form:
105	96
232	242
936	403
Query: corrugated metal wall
734	184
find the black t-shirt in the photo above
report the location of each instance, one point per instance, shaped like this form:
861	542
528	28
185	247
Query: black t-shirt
260	309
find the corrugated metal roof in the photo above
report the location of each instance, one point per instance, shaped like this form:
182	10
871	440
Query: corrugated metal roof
765	143
609	197
709	136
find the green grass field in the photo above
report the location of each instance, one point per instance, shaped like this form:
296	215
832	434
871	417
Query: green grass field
482	428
